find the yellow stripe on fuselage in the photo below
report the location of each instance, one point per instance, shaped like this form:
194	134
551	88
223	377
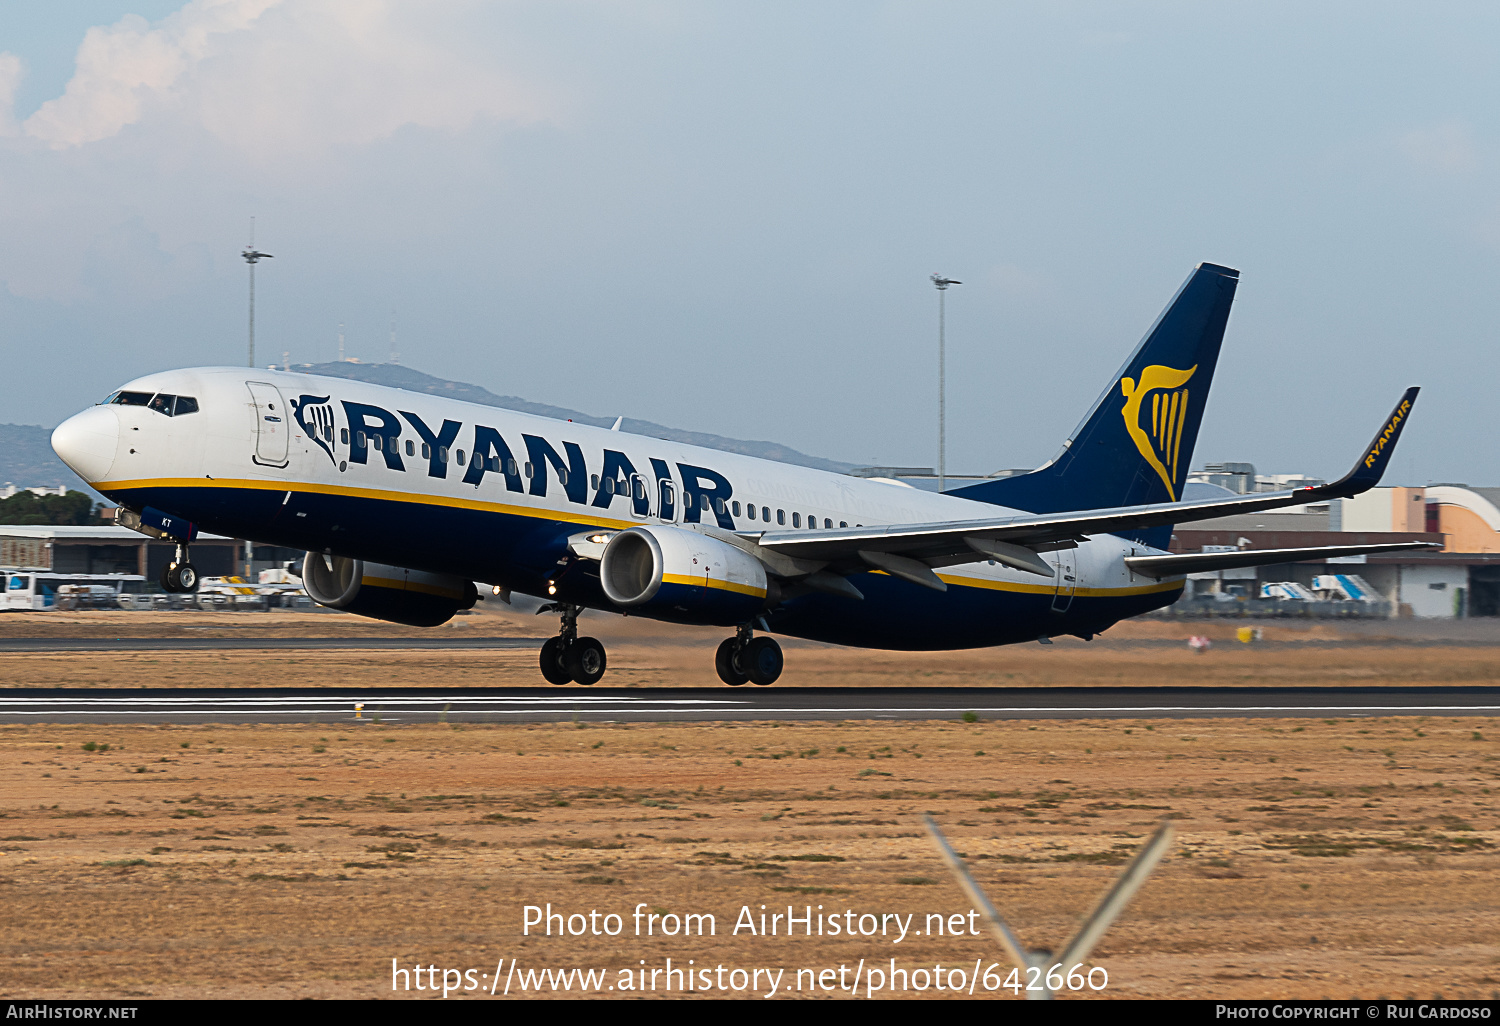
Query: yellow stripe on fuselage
708	582
570	517
416	498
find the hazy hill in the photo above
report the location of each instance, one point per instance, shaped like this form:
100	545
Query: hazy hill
27	459
397	376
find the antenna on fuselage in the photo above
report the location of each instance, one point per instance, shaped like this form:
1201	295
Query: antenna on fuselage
252	257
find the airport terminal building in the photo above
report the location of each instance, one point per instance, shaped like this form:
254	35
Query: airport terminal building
1460	579
106	549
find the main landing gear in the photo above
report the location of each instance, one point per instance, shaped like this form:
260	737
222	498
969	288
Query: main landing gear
179	577
745	658
568	657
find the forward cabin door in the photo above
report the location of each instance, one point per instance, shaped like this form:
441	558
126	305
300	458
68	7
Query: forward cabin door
272	424
1067	580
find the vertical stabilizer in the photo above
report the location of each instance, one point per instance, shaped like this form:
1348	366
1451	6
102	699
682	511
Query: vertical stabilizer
1136	444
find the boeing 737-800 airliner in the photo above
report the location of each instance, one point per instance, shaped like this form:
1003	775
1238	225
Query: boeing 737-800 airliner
403	500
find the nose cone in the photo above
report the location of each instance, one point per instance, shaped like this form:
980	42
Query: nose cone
86	442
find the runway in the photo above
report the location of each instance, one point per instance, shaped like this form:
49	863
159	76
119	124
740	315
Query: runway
700	705
69	645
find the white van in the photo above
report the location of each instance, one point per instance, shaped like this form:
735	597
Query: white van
38	589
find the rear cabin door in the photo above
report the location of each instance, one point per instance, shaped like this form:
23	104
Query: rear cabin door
1067	580
272	422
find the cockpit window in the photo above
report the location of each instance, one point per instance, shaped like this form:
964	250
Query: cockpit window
161	402
130	399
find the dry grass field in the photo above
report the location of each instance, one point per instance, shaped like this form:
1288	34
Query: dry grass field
1313	858
643	653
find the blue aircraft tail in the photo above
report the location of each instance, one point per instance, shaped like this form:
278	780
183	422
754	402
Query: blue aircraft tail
1136	444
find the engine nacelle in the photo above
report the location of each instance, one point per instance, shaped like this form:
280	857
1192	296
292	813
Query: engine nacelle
384	592
683	575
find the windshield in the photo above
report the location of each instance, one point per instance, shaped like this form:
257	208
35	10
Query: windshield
161	402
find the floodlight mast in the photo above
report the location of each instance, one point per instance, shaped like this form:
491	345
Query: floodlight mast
942	286
252	257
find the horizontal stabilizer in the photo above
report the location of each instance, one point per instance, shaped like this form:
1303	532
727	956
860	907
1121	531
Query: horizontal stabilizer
1203	562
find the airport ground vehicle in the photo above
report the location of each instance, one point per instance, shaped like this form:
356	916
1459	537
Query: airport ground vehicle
42	589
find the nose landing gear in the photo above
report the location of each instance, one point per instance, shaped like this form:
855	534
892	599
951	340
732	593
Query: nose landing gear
179	576
745	658
568	657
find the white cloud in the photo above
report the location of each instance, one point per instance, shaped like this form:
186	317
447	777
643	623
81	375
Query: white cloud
11	70
230	107
277	80
1447	147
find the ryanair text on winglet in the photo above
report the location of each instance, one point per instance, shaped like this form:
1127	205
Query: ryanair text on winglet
1388	433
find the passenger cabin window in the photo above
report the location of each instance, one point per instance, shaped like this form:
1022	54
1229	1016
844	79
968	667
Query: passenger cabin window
843	523
827	522
411	448
426	451
344	435
594	482
796	519
750	512
736	508
781	517
719	506
442	454
765	513
460	457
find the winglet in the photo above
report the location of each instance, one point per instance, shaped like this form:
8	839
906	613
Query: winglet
1371	466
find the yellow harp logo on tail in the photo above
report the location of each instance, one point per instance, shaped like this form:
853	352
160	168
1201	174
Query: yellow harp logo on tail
1156	427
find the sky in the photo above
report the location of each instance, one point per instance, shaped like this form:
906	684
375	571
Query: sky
722	216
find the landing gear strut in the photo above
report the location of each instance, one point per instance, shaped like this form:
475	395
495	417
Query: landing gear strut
179	576
745	658
568	657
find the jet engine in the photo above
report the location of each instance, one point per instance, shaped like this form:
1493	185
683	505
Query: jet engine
384	592
682	575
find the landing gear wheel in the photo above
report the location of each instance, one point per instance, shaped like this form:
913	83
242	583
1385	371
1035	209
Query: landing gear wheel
724	662
187	578
761	660
585	660
179	578
552	663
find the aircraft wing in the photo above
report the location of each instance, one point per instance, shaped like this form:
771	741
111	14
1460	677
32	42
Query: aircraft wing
911	550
